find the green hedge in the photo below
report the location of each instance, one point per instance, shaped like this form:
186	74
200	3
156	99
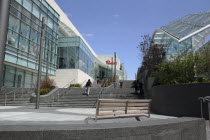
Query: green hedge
75	85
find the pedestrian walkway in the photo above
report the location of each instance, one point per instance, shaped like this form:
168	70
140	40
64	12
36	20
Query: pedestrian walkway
10	115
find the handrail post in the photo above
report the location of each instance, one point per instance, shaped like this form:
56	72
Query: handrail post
5	104
52	101
22	91
14	96
58	95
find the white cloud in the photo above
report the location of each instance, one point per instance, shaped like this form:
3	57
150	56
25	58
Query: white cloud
116	15
88	34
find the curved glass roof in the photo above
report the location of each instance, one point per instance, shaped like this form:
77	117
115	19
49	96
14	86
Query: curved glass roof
194	27
188	26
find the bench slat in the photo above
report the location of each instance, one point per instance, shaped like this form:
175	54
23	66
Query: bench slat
123	108
123	101
123	104
113	117
123	112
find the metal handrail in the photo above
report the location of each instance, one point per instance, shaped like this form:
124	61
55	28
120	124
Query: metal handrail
62	93
14	92
83	82
99	95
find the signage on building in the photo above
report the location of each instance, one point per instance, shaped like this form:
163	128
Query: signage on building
110	63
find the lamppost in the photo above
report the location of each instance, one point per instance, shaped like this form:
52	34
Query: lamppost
114	69
40	63
4	19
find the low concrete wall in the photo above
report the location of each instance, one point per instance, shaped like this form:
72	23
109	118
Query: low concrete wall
180	100
168	129
44	98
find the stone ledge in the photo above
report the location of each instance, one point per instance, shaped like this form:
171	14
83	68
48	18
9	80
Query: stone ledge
177	129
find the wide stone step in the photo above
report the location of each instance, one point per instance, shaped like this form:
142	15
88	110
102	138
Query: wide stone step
77	99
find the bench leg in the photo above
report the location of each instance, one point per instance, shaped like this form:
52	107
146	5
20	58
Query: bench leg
137	118
87	119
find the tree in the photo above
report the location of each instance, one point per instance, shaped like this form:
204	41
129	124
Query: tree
203	66
151	54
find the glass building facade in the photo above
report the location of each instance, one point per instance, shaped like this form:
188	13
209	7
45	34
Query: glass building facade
23	41
74	54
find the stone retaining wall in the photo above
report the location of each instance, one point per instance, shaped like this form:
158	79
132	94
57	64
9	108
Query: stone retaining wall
180	100
168	129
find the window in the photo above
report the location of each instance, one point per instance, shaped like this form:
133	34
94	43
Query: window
9	76
19	78
50	23
12	39
14	12
19	1
27	4
14	23
23	44
28	79
36	11
24	30
34	35
26	13
16	5
34	48
25	19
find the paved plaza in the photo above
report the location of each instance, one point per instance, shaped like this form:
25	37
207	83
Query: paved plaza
11	115
22	116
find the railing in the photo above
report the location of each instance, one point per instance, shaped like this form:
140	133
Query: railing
14	92
83	83
203	100
60	92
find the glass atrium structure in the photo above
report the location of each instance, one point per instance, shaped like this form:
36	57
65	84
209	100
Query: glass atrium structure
190	32
74	54
23	41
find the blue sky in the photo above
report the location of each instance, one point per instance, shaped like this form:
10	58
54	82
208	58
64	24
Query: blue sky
117	25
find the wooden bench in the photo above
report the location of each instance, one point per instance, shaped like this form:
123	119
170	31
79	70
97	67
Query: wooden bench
121	108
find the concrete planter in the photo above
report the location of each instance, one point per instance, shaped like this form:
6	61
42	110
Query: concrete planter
180	100
44	98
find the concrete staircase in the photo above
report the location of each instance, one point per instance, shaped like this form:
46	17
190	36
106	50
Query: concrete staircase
75	98
128	83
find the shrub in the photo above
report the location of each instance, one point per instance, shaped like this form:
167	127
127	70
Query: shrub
44	91
75	85
48	84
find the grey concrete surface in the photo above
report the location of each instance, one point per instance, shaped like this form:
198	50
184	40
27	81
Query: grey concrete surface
24	123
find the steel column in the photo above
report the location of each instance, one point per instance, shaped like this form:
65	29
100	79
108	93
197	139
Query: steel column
40	63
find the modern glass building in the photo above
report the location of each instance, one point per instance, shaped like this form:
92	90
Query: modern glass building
190	32
23	41
64	47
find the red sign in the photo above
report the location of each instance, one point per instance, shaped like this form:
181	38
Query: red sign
110	63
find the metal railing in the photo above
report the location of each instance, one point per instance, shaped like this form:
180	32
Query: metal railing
60	92
203	100
83	83
14	92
